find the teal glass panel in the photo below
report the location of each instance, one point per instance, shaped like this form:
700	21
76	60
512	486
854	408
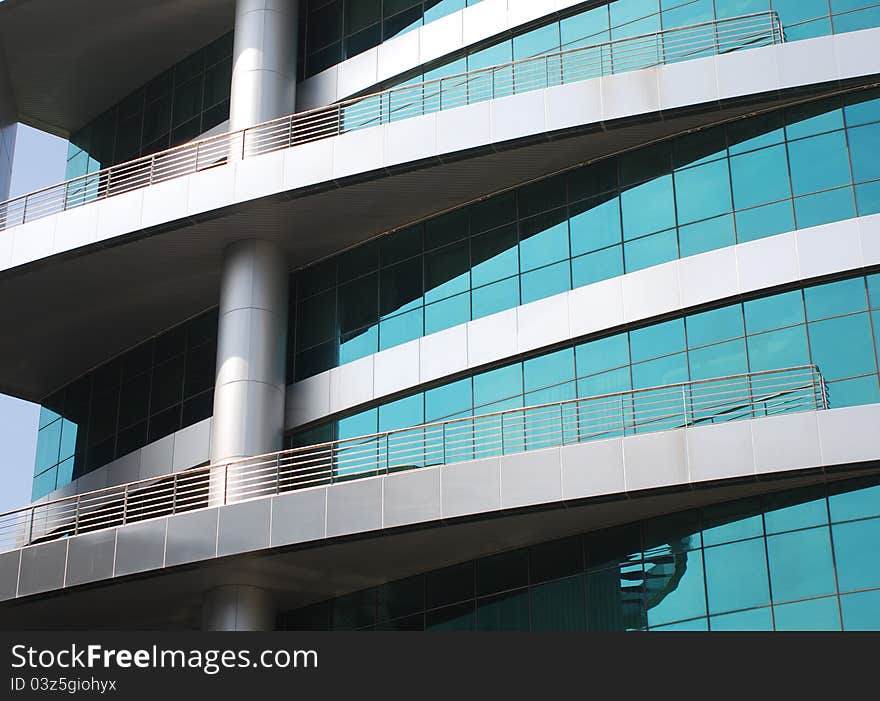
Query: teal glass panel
451	618
447	272
450	399
44	483
650	250
874	291
662	371
868	198
800	564
585	29
402	413
595	224
543	240
545	282
606	353
447	313
494	256
853	21
794	509
634	17
365	423
657	339
696	625
862	108
48	445
808	30
795	11
559	605
605	383
731	521
753	134
615	599
47	416
714	326
861	611
853	392
864	145
755	619
65	473
400	329
835	298
735	8
359	345
824	207
736	576
68	440
597	266
508	611
543	40
776	311
648	207
768	220
816	614
718	360
675	588
813	118
778	349
548	370
843	347
854	499
679	14
496	297
442	8
857	554
702	192
707	235
760	177
495	385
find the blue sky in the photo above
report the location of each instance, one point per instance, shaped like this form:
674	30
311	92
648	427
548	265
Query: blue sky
39	161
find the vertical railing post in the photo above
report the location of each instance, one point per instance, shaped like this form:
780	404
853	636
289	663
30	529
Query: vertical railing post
76	516
30	538
124	505
226	483
278	473
332	452
443	442
198	157
502	433
290	132
684	407
174	494
243	141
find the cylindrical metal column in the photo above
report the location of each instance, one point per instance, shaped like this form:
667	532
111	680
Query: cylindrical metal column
264	61
251	353
238	607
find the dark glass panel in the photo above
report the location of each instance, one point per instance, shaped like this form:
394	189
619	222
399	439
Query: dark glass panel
502	572
450	585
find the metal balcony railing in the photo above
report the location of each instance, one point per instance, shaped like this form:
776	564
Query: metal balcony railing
632	53
687	404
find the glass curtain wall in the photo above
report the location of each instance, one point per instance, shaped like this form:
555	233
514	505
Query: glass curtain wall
805	166
804	559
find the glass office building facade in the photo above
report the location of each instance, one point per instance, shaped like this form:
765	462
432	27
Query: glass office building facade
803	559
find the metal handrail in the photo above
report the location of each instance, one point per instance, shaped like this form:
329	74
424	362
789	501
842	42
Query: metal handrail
684	404
402	102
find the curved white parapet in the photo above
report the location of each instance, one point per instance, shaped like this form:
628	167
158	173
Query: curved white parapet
747	452
669	288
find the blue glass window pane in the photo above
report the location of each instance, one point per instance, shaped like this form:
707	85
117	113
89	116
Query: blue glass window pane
696	625
602	354
597	266
559	606
43	484
662	371
835	298
788	511
403	413
714	326
490	56
793	11
757	223
650	250
495	297
442	8
824	207
634	17
494	255
545	282
675	588
452	398
868	198
543	40
706	235
605	383
702	192
852	500
495	385
861	611
400	329
862	108
595	224
47	416
678	14
548	370
816	614
363	424
774	312
718	360
874	290
819	162
558	393
778	349
864	145
727	522
65	473
359	345
808	30
857	554
843	347
586	28
801	564
615	599
736	576
752	134
812	118
853	21
447	313
48	445
735	8
657	339
854	392
760	177
68	439
543	240
756	619
648	207
447	272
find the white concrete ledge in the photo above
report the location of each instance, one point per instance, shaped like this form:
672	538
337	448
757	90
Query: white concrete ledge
669	288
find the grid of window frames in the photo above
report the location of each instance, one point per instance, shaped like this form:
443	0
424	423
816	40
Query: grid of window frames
835	325
339	29
177	106
804	559
149	392
806	166
801	19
